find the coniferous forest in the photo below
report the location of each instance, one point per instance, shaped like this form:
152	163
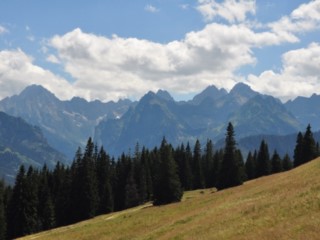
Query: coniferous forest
97	183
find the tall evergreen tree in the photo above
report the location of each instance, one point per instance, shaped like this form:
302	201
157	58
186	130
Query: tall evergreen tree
197	166
250	167
276	163
46	213
167	183
298	151
263	160
309	146
208	164
131	190
103	171
22	215
286	163
230	173
3	220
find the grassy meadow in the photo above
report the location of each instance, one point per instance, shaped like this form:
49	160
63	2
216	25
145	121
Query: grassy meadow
280	206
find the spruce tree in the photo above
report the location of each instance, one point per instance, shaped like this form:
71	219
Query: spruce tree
263	160
250	167
167	187
3	220
230	174
22	215
103	171
298	151
197	166
208	164
309	146
286	163
276	163
131	190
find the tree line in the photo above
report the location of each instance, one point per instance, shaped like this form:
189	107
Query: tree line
96	183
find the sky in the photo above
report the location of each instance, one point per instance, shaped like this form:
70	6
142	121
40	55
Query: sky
115	49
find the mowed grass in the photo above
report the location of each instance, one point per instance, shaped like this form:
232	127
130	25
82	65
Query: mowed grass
281	206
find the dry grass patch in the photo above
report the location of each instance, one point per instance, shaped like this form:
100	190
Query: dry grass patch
281	206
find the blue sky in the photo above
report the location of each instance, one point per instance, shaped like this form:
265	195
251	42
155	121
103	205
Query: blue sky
121	48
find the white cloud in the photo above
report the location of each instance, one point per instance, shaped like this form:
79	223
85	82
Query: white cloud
18	71
129	67
305	18
300	75
3	30
230	10
150	8
53	59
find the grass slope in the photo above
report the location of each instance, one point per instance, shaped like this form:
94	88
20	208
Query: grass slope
281	206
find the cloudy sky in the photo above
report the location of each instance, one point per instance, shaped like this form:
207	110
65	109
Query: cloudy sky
116	49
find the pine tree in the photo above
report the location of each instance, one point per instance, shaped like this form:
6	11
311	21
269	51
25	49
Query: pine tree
230	173
197	166
250	167
3	220
263	160
286	163
167	187
208	164
276	164
22	215
103	171
309	146
45	206
131	190
298	151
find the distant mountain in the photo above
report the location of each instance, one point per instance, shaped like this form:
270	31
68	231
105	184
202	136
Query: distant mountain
66	124
21	143
203	117
210	92
306	110
264	114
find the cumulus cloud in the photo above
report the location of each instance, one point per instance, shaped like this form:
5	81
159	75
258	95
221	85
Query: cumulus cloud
18	71
230	10
303	19
299	76
122	66
150	8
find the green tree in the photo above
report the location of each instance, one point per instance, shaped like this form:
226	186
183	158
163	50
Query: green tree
286	163
167	187
309	146
22	215
3	220
197	166
298	151
230	174
45	206
208	164
276	163
103	171
263	160
250	167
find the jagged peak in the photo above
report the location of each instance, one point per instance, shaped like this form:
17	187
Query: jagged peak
164	95
209	92
36	91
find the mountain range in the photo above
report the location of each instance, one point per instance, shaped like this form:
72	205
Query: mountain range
119	126
66	124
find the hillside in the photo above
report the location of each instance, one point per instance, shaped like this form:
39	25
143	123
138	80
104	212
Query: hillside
21	143
281	206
